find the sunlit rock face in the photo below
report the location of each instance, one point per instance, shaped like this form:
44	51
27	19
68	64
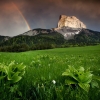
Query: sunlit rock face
70	21
68	32
68	26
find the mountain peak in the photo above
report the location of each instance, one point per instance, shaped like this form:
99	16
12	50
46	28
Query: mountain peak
70	21
68	26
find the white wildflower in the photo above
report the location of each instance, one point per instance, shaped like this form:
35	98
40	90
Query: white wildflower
53	81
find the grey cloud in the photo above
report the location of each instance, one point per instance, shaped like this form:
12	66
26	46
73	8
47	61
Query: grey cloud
11	22
87	11
45	13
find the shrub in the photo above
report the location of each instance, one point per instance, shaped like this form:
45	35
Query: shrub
80	77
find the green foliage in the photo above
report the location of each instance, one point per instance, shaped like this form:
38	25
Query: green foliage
43	74
15	48
39	42
12	73
80	77
3	38
48	40
24	43
87	37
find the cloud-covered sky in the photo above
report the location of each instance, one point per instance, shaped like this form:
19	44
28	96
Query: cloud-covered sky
16	16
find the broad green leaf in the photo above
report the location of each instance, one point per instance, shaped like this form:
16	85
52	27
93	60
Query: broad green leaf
6	69
85	77
80	76
22	73
15	74
11	75
12	63
67	70
66	74
75	76
72	69
81	69
94	84
16	79
21	67
84	86
70	80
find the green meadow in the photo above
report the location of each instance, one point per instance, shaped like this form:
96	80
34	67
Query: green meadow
43	78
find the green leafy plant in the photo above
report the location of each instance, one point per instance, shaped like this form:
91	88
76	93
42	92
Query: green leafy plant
12	72
80	77
10	75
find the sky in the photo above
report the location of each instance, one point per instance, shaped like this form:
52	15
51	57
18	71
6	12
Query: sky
19	16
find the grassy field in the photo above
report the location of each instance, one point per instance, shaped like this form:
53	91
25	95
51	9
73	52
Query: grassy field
43	74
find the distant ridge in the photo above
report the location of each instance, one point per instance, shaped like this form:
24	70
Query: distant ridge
65	35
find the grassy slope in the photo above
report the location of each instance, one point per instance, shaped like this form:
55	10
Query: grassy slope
49	64
26	57
58	58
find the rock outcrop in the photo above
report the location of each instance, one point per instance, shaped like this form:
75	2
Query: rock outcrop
68	26
70	21
68	32
37	31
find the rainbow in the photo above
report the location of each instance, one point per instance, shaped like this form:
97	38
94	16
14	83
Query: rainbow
22	16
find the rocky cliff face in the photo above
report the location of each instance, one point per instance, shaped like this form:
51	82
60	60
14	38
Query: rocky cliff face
68	32
68	26
37	31
70	21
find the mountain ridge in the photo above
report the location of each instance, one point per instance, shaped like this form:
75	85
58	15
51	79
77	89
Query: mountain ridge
70	21
39	38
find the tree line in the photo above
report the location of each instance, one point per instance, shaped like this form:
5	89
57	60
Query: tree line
48	41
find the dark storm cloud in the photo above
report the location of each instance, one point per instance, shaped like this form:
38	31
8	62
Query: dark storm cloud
45	13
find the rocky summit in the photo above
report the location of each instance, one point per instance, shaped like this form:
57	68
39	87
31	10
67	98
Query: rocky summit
68	26
70	21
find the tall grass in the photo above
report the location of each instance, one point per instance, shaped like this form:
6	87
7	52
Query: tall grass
44	66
